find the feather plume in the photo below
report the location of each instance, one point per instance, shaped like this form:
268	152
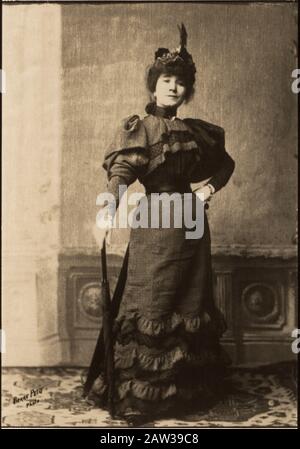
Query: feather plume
183	35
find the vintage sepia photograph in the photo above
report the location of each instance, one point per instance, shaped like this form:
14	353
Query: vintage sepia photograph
149	214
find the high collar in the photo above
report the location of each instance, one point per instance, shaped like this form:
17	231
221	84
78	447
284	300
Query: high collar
167	112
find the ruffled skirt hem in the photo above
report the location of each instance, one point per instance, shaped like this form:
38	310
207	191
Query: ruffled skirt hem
155	378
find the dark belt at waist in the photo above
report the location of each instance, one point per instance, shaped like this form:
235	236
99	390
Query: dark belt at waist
171	188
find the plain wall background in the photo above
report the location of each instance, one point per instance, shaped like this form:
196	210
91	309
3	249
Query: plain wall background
31	156
244	56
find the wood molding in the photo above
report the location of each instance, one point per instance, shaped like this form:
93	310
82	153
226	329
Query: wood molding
246	251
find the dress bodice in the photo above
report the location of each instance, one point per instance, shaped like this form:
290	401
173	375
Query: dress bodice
163	149
177	171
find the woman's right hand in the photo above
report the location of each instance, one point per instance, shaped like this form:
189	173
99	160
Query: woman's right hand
203	193
103	227
101	234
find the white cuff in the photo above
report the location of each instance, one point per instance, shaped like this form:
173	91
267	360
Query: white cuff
212	189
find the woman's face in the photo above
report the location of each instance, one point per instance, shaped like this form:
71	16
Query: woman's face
170	90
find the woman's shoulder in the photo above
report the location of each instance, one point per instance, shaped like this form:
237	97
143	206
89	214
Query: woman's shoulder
129	134
134	122
129	124
148	128
131	127
135	126
210	132
199	123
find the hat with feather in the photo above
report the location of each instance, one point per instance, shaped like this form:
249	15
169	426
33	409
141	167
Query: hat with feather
165	59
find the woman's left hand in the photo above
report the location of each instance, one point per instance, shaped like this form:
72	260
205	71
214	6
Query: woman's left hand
204	193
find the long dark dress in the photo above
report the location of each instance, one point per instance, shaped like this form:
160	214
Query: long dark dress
167	353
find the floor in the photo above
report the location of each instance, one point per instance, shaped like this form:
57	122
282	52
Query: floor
52	397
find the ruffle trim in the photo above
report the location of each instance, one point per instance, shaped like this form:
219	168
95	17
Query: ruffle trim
145	391
156	327
177	146
149	142
168	324
166	149
160	137
126	357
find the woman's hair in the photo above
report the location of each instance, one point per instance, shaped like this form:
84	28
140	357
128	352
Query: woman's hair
172	68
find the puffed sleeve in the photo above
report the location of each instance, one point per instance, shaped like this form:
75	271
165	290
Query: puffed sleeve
222	176
127	157
214	161
221	172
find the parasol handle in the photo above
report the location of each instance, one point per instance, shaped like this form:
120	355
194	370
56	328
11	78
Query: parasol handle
103	261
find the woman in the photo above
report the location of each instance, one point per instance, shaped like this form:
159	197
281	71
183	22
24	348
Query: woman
167	354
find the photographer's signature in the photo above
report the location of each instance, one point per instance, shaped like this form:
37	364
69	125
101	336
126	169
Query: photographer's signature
31	398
